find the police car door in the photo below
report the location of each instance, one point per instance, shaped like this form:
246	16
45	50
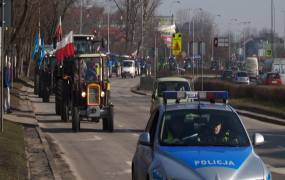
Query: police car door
147	151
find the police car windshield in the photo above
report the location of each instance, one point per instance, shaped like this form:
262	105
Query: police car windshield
172	86
193	127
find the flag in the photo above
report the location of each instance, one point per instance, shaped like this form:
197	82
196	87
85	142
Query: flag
135	53
42	53
36	47
58	31
65	47
98	49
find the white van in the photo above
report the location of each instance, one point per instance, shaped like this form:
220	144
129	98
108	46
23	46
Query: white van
276	65
128	68
251	66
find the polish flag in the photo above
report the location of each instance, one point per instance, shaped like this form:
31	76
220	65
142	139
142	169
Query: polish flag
58	32
98	49
65	47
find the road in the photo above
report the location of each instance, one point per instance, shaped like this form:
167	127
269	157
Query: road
95	154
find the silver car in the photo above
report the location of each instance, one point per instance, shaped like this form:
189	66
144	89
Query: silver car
199	140
241	77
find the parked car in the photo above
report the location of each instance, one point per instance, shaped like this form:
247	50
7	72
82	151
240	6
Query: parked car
228	75
271	78
241	77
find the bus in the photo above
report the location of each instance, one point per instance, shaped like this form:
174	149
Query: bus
251	66
276	65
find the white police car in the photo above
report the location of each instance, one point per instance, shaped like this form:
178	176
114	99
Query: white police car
200	140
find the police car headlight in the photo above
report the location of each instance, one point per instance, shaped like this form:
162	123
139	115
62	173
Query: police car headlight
102	93
83	94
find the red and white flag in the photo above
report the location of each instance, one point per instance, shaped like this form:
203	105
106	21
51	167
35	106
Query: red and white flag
65	47
58	32
98	49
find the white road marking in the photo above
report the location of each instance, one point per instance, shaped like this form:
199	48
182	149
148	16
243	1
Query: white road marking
281	147
129	163
136	135
120	126
95	138
280	170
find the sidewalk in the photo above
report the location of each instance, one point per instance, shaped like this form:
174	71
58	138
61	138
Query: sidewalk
26	117
260	117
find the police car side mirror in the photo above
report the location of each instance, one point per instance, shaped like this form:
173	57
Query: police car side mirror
144	139
258	139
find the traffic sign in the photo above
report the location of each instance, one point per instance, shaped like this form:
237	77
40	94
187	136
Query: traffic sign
180	57
176	43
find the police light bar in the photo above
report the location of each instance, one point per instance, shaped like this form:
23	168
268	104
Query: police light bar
201	95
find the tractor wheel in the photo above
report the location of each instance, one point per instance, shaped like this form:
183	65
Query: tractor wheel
65	102
40	86
36	84
65	111
105	124
58	96
111	119
46	92
75	120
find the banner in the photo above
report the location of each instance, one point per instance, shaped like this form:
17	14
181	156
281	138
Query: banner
42	53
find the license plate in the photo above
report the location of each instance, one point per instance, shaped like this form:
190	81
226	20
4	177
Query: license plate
274	81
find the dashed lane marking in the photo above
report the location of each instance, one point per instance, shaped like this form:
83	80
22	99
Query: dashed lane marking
95	138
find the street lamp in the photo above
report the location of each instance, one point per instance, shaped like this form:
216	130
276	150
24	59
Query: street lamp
109	26
229	38
284	30
212	37
244	38
170	26
189	9
193	43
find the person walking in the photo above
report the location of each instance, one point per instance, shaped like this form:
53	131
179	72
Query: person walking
7	87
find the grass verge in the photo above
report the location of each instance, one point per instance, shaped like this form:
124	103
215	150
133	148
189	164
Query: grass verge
13	161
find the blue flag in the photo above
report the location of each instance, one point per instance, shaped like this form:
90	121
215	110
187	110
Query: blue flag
36	47
42	53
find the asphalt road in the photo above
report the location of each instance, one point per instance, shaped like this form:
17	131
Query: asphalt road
95	154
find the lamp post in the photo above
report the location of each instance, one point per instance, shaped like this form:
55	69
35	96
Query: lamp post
193	43
212	37
244	39
284	31
189	9
170	26
230	38
109	26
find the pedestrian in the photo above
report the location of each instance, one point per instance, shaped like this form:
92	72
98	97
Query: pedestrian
7	87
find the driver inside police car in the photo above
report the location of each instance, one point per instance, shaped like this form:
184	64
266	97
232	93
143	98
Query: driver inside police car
176	132
214	133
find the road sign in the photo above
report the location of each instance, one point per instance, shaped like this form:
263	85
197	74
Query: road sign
221	42
176	43
180	57
269	53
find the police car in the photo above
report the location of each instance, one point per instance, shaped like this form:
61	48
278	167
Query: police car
201	140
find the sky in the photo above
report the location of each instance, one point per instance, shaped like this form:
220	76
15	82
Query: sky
258	12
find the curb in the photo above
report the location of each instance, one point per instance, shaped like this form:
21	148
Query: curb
53	167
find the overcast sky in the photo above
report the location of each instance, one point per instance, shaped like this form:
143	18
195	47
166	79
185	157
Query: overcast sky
258	12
